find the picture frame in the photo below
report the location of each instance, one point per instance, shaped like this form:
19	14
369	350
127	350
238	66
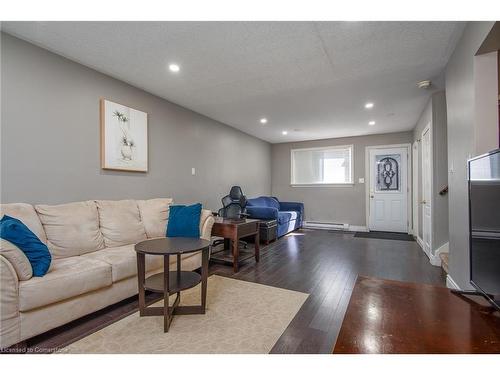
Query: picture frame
124	137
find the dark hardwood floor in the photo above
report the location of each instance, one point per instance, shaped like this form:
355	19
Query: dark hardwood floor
376	321
324	264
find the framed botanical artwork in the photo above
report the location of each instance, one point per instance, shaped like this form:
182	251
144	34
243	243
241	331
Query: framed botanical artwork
124	137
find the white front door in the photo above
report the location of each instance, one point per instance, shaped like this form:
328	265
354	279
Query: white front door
426	190
388	189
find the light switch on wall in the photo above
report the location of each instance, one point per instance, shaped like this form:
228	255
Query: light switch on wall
193	171
361	180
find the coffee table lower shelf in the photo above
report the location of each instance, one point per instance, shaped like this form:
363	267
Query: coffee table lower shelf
177	281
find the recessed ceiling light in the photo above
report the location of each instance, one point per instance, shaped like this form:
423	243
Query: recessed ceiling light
174	68
284	132
263	120
424	84
371	123
368	105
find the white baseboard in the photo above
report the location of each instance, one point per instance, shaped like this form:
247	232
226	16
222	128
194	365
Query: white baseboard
421	244
450	283
436	259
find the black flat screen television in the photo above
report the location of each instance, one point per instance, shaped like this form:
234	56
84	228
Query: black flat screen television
484	225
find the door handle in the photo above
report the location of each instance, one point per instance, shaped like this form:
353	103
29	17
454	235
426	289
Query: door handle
371	196
423	202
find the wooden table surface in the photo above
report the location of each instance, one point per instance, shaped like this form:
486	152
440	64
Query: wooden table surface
218	221
386	316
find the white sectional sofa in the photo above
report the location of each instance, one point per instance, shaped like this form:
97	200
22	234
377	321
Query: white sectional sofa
93	261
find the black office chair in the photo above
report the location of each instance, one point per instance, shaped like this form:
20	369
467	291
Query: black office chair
233	207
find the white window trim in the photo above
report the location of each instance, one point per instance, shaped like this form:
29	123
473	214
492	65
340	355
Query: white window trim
323	184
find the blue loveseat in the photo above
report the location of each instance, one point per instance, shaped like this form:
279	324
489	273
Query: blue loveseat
289	215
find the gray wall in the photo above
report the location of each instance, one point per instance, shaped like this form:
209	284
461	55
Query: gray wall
343	204
486	102
459	79
50	139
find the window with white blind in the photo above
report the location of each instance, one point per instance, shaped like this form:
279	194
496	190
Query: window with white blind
322	166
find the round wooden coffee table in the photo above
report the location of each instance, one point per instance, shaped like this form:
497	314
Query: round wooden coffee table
171	282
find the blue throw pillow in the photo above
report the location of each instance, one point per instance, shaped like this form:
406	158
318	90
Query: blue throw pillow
184	221
14	231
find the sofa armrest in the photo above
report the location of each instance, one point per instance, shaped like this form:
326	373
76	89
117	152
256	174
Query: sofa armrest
206	231
10	326
292	206
263	213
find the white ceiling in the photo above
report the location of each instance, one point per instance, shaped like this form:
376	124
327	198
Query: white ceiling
309	78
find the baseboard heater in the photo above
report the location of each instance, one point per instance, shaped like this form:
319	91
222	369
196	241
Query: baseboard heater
327	226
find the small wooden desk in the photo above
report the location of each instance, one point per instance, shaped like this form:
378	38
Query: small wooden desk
387	317
233	230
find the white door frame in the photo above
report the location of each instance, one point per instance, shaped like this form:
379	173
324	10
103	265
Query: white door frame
415	189
428	127
408	185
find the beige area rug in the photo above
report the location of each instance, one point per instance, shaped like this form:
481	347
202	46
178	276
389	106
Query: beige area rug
241	317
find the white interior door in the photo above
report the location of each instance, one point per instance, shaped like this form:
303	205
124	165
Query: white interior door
389	189
426	190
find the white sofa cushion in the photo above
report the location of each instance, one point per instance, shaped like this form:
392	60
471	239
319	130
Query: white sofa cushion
154	215
123	261
27	214
120	222
72	229
68	277
17	259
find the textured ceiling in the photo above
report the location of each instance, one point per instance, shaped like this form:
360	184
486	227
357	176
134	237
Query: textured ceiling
309	78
